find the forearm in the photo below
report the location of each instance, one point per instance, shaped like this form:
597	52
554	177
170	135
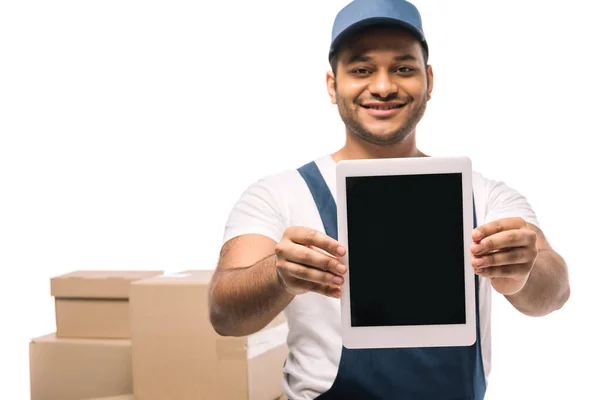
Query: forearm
547	288
244	300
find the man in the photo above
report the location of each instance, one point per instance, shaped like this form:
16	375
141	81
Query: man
278	256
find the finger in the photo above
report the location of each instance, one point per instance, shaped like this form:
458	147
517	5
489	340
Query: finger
315	248
491	228
519	255
504	240
303	286
329	291
309	274
312	237
504	271
312	258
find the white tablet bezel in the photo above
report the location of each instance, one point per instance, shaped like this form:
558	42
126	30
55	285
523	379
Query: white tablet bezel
407	336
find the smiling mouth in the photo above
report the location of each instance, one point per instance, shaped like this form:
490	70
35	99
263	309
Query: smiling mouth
382	107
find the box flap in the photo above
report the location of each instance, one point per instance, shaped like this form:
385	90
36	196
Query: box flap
194	277
98	284
52	339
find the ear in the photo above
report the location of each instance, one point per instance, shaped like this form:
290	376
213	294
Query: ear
429	81
331	87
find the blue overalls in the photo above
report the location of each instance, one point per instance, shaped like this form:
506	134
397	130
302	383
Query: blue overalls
436	373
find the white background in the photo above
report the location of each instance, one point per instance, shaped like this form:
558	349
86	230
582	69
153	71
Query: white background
129	129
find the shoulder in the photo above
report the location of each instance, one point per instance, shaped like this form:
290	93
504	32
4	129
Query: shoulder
273	188
496	199
264	206
287	183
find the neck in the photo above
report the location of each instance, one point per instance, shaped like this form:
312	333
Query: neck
356	149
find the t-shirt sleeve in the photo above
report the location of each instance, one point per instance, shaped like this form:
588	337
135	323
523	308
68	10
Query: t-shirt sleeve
257	211
505	202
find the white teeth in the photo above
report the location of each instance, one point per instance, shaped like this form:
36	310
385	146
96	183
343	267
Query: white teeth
385	108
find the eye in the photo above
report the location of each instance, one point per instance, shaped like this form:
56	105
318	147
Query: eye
404	70
360	71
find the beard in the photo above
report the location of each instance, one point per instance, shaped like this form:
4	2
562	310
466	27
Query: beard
414	110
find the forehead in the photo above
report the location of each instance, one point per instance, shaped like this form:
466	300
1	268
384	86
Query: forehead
380	38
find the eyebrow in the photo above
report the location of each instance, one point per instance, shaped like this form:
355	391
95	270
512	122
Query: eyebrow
362	58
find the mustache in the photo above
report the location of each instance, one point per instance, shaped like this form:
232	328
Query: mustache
391	97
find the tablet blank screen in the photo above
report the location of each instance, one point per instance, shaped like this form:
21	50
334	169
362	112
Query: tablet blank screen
406	249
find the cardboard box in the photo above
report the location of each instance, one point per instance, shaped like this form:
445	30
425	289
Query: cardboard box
94	304
76	369
177	355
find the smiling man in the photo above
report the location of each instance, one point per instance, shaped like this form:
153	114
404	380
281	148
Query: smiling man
281	253
390	103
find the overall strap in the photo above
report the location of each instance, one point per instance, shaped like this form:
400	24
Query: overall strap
322	196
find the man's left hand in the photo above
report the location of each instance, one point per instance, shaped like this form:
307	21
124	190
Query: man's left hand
504	251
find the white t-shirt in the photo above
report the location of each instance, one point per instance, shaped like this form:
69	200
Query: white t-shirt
278	201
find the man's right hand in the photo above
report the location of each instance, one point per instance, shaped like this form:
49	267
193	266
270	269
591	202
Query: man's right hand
308	260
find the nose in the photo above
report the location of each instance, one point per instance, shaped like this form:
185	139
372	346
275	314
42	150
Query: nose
383	86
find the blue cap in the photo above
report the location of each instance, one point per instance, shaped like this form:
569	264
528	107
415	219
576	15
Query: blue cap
360	14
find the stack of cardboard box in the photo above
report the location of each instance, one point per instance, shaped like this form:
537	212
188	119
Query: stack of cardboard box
143	335
89	355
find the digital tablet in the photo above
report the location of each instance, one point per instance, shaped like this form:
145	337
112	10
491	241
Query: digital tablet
406	224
